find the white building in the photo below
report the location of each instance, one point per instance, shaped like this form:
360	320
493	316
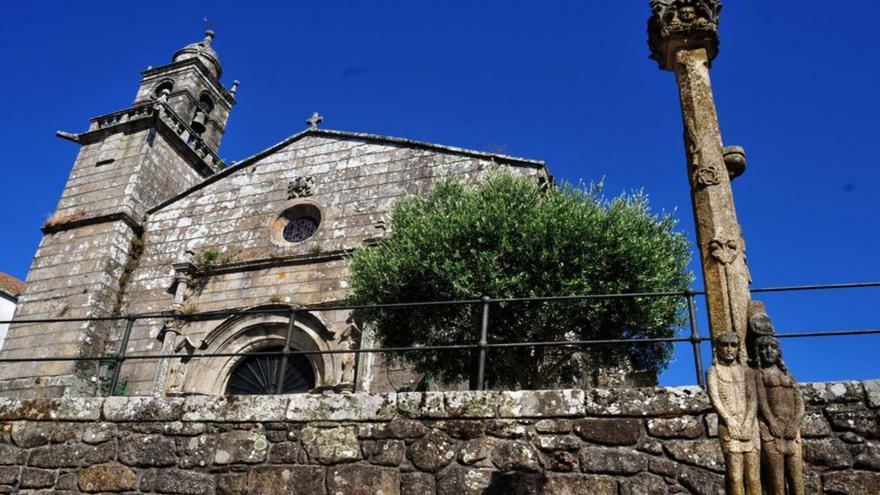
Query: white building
10	288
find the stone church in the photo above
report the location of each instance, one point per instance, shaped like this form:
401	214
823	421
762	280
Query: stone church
152	221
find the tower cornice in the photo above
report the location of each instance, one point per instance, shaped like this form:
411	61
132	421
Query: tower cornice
202	69
163	117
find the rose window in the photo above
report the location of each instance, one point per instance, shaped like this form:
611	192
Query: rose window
300	229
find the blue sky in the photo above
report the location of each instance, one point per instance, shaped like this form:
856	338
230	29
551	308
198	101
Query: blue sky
568	82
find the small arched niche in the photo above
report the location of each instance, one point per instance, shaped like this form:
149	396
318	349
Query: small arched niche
165	86
206	103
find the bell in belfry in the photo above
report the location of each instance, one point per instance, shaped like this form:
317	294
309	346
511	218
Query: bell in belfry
199	121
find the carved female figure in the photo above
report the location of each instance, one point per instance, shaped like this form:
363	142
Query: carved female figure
781	409
732	391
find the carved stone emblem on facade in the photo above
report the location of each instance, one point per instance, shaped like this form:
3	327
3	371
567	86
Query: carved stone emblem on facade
301	187
679	24
733	393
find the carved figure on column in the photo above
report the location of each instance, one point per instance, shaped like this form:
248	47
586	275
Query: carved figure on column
732	391
702	175
780	411
350	339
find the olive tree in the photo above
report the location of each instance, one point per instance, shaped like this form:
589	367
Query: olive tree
510	237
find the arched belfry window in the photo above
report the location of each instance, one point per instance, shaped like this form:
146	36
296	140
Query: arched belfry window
163	87
258	375
206	103
204	108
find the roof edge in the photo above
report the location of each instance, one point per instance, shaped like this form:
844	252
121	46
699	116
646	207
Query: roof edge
506	159
11	287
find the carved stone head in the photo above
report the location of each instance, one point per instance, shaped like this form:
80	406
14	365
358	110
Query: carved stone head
726	347
767	351
759	325
687	14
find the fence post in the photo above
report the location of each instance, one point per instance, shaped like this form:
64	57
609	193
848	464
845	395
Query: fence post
120	355
695	337
285	353
484	341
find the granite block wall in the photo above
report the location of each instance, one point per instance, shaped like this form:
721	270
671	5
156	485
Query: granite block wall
356	181
615	442
78	269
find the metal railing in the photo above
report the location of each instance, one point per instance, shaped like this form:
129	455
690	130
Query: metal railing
482	345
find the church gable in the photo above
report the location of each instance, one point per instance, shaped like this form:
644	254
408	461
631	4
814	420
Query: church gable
278	228
351	182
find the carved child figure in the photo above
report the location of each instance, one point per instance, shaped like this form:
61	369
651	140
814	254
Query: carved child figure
732	391
781	409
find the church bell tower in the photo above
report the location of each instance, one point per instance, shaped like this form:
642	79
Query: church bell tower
191	87
129	161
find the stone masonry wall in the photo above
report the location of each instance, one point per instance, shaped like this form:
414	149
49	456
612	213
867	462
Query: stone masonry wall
621	442
356	183
77	271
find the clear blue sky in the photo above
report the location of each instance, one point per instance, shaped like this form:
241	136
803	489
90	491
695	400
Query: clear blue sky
568	82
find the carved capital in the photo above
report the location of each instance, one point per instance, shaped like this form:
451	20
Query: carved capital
682	24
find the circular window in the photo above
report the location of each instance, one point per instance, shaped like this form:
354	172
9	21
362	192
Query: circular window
299	229
295	224
258	375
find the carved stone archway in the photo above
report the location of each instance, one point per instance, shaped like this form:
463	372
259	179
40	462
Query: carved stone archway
253	333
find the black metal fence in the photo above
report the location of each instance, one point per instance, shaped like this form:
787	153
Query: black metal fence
482	346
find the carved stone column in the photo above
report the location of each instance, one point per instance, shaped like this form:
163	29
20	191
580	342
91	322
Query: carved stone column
683	36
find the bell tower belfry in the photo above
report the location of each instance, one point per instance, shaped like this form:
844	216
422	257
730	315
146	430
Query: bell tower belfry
129	161
191	87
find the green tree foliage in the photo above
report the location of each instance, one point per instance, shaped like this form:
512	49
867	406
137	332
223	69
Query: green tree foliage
510	237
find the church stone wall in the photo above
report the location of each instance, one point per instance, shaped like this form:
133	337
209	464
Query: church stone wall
601	442
125	172
75	273
80	264
355	183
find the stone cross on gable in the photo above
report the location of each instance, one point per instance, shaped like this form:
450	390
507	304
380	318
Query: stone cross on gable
314	120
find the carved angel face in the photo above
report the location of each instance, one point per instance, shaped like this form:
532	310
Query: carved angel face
687	14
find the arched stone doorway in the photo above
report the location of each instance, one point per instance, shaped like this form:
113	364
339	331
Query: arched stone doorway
262	333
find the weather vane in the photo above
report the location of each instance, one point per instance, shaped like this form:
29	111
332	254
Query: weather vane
211	25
